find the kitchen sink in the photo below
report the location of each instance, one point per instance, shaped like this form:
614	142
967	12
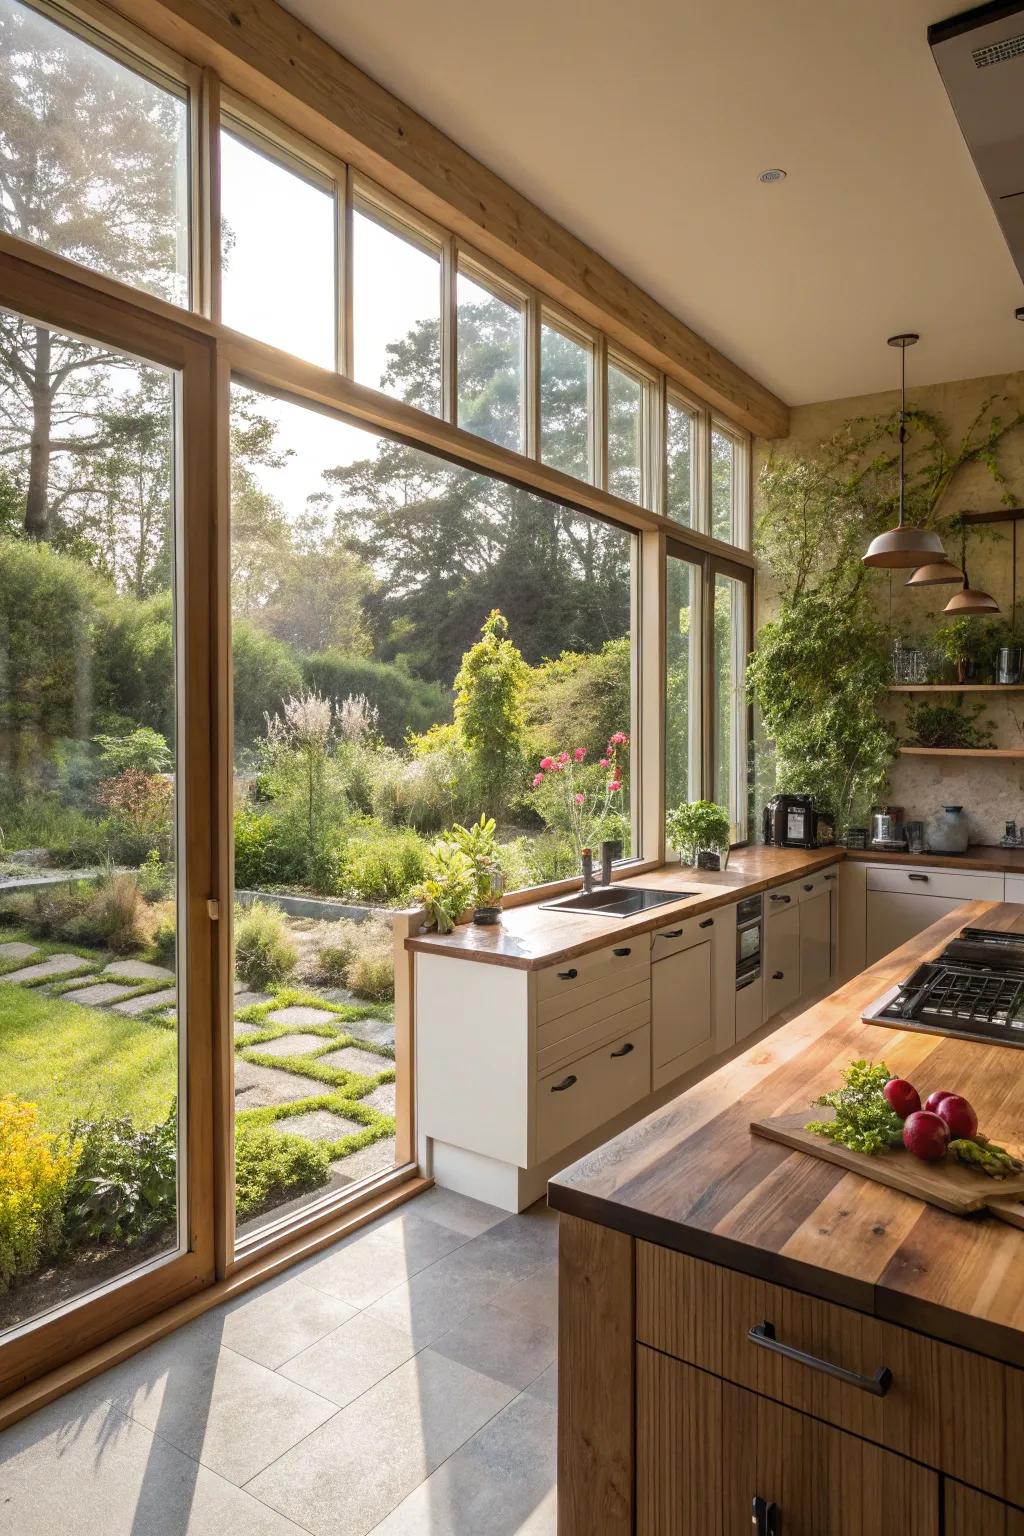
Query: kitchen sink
615	900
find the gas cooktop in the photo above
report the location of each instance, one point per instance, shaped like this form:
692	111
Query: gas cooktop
974	990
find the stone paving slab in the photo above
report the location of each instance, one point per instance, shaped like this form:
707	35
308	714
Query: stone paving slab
56	965
98	993
294	1045
318	1125
378	1031
351	1059
365	1162
259	1087
299	1014
241	1030
245	999
16	950
382	1099
138	970
147	1000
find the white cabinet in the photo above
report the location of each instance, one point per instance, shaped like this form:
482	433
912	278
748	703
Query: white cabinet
902	902
1015	888
781	953
815	941
682	1033
587	1092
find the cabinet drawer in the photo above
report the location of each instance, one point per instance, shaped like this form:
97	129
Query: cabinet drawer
581	1096
781	896
598	965
602	992
681	1007
560	1043
961	885
966	1512
780	960
893	917
703	1314
812	885
675	937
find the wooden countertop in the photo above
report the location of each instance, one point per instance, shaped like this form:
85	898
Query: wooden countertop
1001	861
529	937
691	1176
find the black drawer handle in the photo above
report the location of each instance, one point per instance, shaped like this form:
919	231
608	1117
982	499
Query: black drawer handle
673	933
830	877
708	922
623	1050
781	898
918	877
809	887
566	1082
878	1384
777	975
765	1518
568	975
626	951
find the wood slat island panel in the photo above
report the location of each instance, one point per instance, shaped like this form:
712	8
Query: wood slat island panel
693	1178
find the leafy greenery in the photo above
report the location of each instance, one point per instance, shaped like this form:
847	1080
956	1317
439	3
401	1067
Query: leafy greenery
948	725
264	953
270	1165
124	1187
863	1120
478	844
35	1170
143	750
449	885
489	690
699	825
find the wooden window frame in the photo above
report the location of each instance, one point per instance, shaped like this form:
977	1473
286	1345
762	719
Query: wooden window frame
721	565
571	329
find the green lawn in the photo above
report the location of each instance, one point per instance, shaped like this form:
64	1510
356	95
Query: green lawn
75	1061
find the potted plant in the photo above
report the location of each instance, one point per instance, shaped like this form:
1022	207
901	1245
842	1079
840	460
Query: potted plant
449	886
700	826
960	642
478	844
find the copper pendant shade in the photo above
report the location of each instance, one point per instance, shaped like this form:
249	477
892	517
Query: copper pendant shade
967	601
904	548
938	573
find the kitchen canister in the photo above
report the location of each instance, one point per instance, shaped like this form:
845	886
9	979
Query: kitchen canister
948	831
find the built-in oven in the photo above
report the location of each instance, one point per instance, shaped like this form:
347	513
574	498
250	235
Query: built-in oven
748	941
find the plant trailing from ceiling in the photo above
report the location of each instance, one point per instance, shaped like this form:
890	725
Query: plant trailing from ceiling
947	725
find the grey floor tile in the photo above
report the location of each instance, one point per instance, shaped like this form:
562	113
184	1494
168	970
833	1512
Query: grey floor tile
218	1406
258	1087
500	1483
546	1386
75	1470
457	1211
280	1320
375	1261
509	1347
351	1359
535	1297
512	1250
350	1473
435	1300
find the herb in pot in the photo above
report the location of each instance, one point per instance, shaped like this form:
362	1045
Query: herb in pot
696	826
863	1120
449	886
947	725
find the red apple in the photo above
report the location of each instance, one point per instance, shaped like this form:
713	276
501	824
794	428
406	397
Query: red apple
933	1100
926	1135
902	1097
959	1116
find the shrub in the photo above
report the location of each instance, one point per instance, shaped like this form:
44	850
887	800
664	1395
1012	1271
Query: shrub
134	661
70	836
371	975
143	749
165	939
360	956
380	866
124	1187
115	913
489	692
579	696
141	809
266	672
263	951
270	1165
155	876
403	703
551	857
333	962
34	1177
429	789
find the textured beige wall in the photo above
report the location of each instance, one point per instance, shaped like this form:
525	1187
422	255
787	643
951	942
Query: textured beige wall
993	791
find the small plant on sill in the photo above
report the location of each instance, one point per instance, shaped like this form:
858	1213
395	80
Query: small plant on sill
698	826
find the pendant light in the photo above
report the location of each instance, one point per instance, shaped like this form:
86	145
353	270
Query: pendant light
938	573
968	599
902	547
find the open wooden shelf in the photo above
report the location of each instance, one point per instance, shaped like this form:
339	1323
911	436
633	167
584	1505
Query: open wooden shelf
1005	752
956	687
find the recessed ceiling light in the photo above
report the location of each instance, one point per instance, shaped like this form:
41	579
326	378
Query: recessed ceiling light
773	175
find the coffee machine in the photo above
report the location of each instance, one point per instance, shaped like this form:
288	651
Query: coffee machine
789	822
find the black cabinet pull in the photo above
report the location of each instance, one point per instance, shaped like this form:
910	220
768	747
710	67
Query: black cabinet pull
918	877
765	1518
674	933
781	898
623	1050
830	877
568	975
708	922
566	1082
626	951
809	887
878	1385
777	975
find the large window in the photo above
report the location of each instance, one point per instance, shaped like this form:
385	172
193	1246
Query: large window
415	645
491	360
728	488
93	155
566	401
396	309
681	482
729	712
278	249
628	429
683	664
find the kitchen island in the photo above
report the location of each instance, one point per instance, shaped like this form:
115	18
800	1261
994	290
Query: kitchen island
685	1232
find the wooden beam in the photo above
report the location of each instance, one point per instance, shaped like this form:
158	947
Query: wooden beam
257	48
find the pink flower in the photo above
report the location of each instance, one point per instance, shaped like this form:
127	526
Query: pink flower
579	799
614	785
563	757
547	762
580	754
538	780
620	739
605	763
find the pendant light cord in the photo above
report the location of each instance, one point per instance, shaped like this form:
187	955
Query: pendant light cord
903	425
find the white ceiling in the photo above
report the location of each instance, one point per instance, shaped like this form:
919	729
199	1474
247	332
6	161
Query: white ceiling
642	127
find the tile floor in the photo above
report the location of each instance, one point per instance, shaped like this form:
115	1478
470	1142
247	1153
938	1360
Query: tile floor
401	1383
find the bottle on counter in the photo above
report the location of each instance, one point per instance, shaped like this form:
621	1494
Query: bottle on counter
948	831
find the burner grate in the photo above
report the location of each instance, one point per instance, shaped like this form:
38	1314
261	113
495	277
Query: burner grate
970	999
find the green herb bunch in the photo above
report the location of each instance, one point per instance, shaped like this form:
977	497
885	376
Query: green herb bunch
863	1120
947	725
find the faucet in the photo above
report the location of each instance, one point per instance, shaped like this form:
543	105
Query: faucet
588	870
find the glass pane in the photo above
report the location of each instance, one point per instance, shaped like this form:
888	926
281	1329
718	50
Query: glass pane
682	684
381	697
566	402
490	364
94	157
725	485
396	314
625	434
277	253
89	1007
680	461
729	664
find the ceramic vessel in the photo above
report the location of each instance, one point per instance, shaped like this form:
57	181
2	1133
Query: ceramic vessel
948	831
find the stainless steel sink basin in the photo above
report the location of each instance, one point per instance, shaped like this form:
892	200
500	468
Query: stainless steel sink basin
615	901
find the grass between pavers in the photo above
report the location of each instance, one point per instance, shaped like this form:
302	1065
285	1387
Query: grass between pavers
78	1062
377	1126
299	997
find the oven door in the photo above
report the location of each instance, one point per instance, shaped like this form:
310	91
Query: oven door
748	943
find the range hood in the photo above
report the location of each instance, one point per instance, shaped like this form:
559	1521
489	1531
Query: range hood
980	56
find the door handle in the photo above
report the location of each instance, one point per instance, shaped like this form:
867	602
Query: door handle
765	1518
809	887
830	877
566	1082
708	922
878	1384
675	933
626	951
780	898
623	1050
918	877
568	975
778	975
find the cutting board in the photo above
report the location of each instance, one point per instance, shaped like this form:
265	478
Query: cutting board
1008	1210
947	1184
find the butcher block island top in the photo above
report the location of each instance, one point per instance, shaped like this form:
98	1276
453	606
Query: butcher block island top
692	1176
